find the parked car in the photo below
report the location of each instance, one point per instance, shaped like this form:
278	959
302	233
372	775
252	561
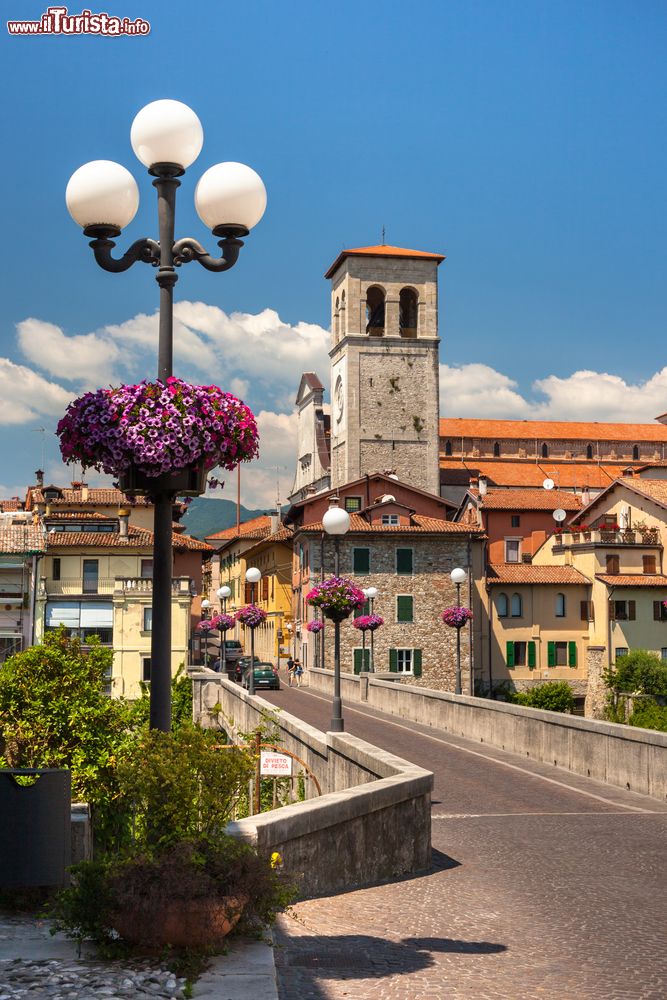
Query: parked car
265	676
233	650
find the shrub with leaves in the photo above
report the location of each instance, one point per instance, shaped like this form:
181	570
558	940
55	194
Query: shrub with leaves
54	713
638	672
554	696
649	715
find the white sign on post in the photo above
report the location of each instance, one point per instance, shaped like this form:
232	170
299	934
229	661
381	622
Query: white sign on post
276	765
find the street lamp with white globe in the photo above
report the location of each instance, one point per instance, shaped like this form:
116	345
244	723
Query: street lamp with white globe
458	576
103	198
336	523
205	606
223	593
371	593
253	576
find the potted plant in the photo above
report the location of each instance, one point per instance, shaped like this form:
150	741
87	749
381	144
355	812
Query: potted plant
174	877
608	531
368	623
649	535
251	616
315	626
158	435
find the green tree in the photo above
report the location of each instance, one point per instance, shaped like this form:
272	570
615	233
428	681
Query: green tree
54	713
638	672
554	696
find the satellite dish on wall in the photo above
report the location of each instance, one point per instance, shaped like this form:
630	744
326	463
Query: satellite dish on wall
559	515
548	484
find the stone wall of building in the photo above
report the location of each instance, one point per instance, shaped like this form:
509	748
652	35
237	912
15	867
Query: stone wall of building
596	693
432	591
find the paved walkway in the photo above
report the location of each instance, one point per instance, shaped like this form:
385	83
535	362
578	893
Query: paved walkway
545	885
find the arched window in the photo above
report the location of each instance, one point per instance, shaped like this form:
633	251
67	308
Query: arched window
545	451
407	312
496	449
448	447
589	451
501	605
337	321
517	606
375	311
635	453
560	605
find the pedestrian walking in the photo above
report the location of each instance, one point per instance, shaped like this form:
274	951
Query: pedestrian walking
298	672
291	671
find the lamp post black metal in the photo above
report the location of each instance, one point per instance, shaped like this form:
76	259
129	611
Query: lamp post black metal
223	594
457	577
253	576
372	594
103	198
336	522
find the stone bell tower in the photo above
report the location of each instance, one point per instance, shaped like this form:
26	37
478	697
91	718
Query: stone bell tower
384	365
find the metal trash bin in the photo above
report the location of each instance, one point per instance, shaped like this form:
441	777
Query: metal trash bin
35	828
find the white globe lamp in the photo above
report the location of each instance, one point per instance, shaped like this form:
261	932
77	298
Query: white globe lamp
230	195
102	193
167	132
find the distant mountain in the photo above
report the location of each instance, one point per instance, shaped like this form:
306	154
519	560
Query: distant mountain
206	515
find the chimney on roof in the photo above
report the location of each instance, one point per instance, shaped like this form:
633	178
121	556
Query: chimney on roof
585	496
39	477
84	492
123	518
275	522
482	486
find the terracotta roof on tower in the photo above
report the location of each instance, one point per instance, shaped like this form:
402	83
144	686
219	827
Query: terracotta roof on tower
383	251
545	429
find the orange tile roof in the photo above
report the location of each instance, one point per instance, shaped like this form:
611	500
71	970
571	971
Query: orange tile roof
23	539
656	489
574	475
528	499
421	525
137	538
8	506
382	250
528	574
78	515
633	580
104	496
247	529
543	430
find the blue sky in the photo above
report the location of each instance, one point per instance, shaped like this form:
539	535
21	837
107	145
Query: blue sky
524	140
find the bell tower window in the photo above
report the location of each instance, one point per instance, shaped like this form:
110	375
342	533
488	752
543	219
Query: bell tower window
375	311
407	311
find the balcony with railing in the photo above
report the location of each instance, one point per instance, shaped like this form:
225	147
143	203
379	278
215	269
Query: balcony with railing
109	586
606	535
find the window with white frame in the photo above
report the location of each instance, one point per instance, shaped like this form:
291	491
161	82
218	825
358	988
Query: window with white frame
560	606
148	619
404	661
390	519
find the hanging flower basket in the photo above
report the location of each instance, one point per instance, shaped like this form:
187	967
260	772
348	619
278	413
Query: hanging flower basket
141	433
368	623
251	616
337	598
314	626
223	622
456	617
206	625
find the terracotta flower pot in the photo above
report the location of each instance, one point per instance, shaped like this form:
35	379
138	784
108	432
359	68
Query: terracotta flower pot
183	923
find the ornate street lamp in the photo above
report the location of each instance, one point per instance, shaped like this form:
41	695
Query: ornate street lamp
336	522
253	576
205	606
224	593
103	198
458	576
371	594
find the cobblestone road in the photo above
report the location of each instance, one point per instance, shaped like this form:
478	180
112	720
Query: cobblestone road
544	886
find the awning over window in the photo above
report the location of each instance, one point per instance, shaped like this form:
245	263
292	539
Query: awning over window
75	614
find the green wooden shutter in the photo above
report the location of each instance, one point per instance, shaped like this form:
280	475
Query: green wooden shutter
551	654
404	562
510	654
417	662
531	655
361	561
404	610
357	660
571	654
393	661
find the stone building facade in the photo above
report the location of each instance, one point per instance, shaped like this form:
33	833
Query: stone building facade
384	365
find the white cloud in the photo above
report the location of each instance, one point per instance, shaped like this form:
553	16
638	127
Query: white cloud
477	390
26	396
86	358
